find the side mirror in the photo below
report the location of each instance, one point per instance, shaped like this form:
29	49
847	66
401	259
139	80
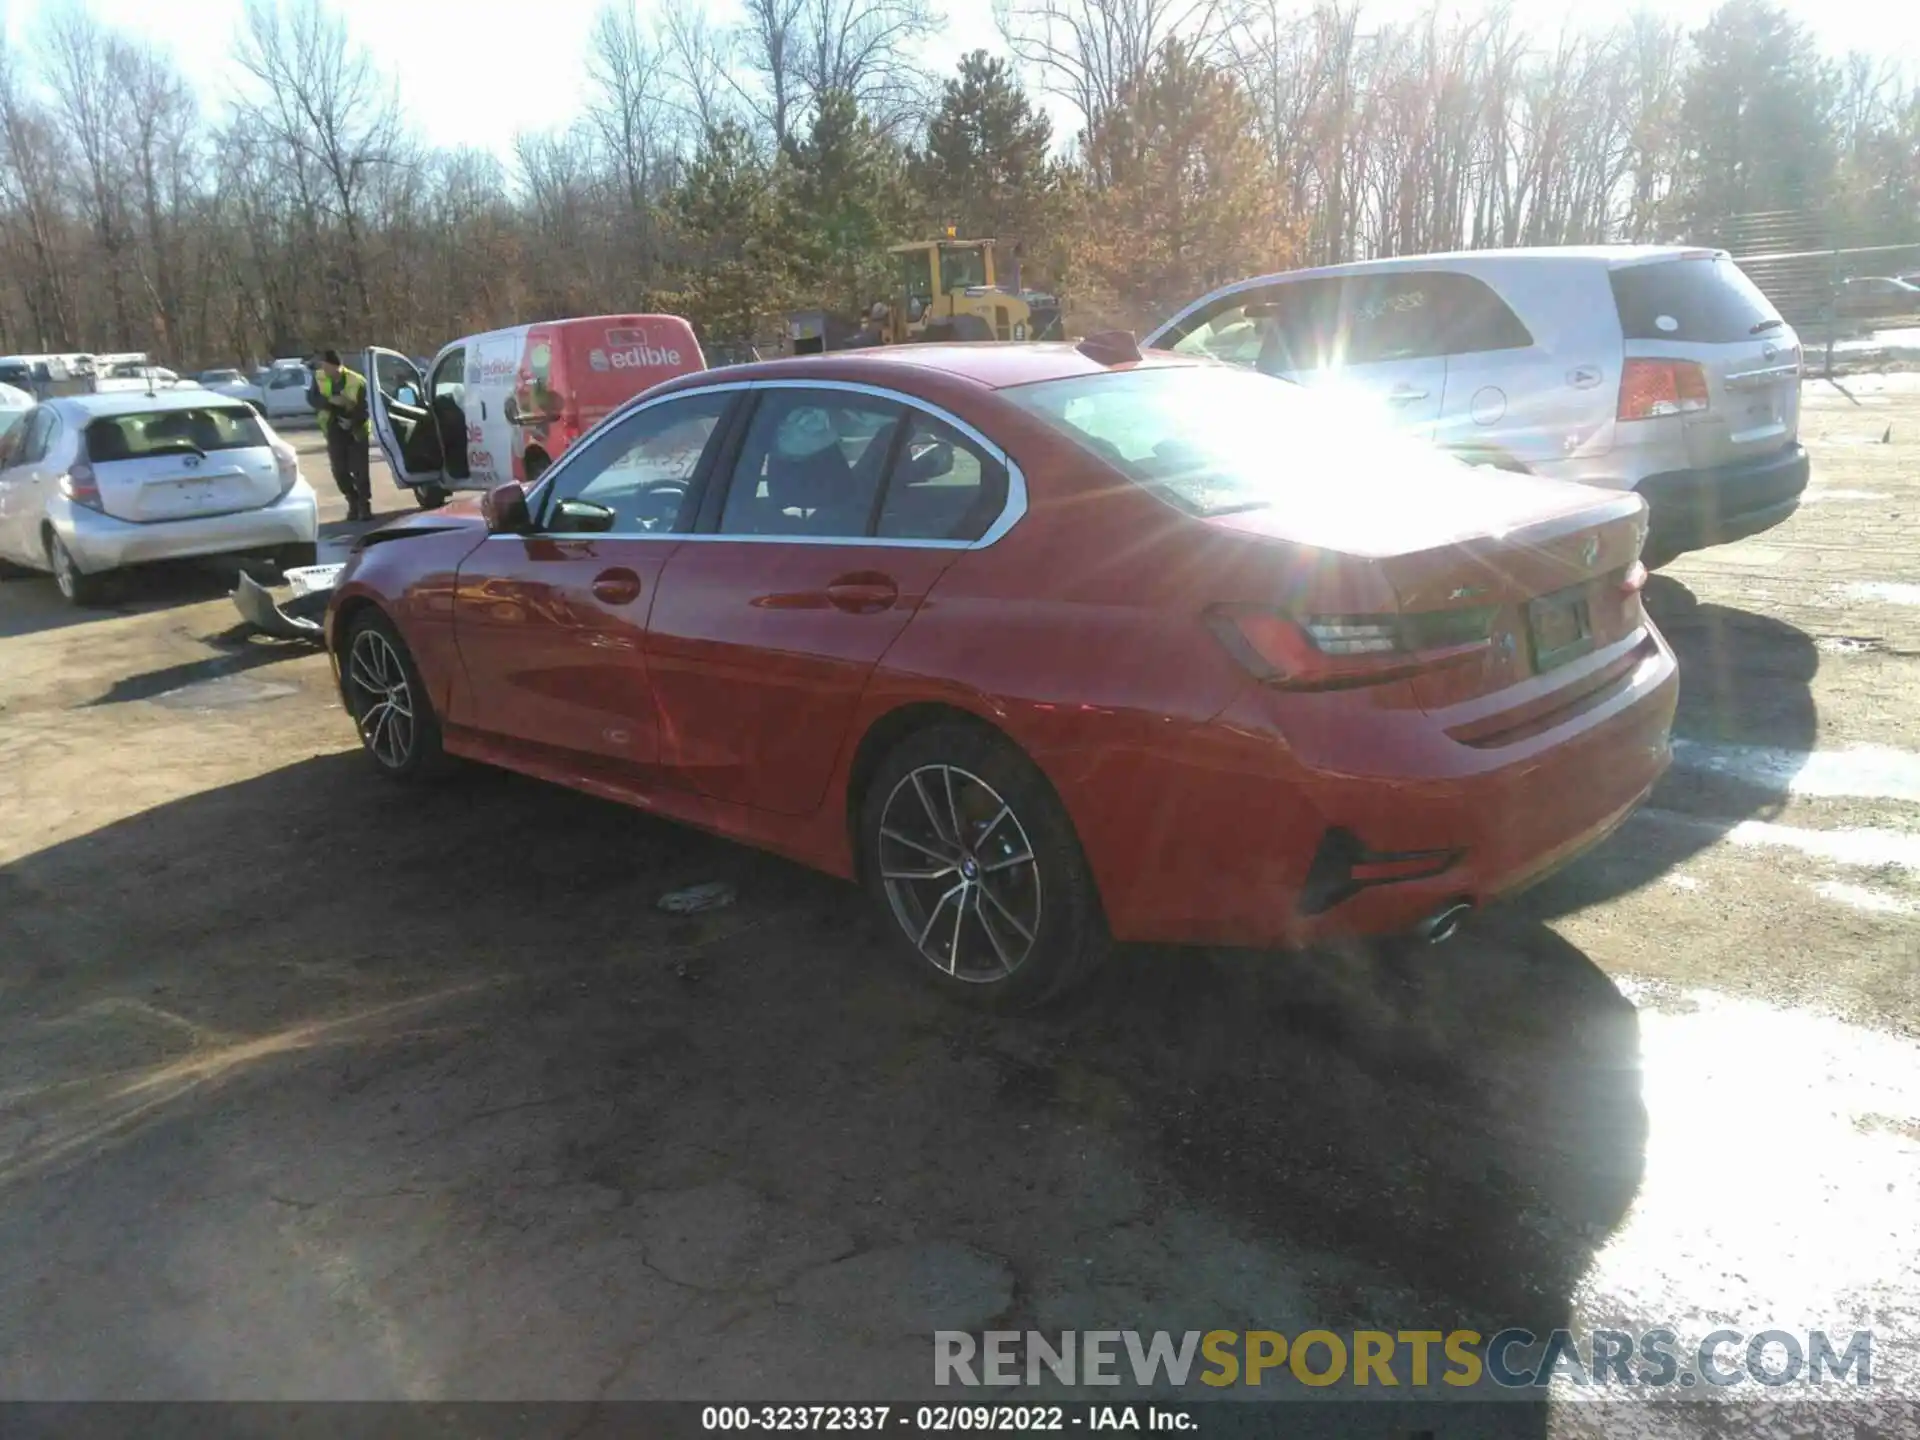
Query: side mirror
581	517
504	508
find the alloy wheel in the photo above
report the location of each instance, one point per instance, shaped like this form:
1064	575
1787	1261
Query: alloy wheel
960	873
383	700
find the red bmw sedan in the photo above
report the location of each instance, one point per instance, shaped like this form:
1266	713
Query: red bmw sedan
1044	645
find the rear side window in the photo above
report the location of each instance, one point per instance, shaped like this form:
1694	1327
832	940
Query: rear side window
941	488
171	432
1703	299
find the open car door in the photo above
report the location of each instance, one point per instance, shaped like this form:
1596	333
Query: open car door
404	425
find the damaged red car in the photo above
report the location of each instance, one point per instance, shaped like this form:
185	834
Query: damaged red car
1046	646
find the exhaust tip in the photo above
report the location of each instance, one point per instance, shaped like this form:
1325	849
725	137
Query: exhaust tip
1444	923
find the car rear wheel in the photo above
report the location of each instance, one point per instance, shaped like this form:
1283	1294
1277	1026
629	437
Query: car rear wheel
388	701
974	865
293	557
75	587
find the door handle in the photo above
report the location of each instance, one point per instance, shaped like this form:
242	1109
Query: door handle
619	586
1402	394
863	594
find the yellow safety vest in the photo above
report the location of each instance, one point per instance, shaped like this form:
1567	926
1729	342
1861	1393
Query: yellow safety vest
353	387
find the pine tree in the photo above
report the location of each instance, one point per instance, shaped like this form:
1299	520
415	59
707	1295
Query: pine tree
985	168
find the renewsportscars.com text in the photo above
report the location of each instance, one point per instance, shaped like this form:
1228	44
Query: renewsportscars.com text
1510	1359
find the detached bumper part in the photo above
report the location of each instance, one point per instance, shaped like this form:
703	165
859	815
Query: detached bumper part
302	615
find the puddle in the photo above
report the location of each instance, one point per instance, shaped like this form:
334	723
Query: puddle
1780	1180
1849	644
225	692
1859	897
1893	593
1866	772
1815	496
1863	847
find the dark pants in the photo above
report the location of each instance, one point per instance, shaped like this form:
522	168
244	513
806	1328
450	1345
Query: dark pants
347	454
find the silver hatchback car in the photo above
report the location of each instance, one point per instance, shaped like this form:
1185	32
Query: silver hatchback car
91	484
1659	369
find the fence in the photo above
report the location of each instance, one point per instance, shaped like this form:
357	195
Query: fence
1815	280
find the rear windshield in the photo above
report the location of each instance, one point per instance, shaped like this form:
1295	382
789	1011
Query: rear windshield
1706	300
1213	439
172	432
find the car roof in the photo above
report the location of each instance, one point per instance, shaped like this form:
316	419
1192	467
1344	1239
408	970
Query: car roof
1612	257
126	402
992	365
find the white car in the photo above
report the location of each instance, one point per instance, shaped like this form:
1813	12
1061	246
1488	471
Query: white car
91	484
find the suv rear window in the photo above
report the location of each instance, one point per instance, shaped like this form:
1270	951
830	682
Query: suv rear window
1704	299
170	432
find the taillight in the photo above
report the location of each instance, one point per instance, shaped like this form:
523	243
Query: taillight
80	486
287	462
1650	388
1633	579
1323	652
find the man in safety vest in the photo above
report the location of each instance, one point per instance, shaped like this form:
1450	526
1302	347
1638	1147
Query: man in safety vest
339	397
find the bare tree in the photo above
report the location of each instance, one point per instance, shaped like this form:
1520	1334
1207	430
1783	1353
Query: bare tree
766	46
699	56
862	48
84	59
1091	52
325	103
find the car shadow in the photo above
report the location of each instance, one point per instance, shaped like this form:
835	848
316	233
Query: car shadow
551	1141
1745	686
32	604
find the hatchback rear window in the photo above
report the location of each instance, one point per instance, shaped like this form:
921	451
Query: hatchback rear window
1213	439
170	432
1704	299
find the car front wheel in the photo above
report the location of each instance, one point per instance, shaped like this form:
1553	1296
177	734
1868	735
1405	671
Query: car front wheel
976	869
388	700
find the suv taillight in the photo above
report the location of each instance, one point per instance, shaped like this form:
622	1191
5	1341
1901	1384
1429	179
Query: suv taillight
1324	652
1650	388
80	486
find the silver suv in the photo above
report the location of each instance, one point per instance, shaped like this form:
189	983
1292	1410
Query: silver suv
1658	369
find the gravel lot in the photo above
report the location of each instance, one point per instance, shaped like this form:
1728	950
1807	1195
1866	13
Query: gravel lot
312	1087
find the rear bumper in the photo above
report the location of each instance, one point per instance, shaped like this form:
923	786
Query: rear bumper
1692	509
99	542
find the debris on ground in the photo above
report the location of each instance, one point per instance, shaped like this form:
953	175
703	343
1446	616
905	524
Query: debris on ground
692	899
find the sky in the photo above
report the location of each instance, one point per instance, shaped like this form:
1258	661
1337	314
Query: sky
475	74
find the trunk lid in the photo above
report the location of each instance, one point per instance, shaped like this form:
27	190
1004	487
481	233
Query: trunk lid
181	464
1535	565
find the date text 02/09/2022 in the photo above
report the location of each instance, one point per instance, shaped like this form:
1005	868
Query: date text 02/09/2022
945	1419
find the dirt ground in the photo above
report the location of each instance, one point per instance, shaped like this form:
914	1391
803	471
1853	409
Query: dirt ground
314	1087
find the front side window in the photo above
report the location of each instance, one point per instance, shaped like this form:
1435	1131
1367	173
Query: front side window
639	472
1233	330
812	464
395	374
173	432
962	269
